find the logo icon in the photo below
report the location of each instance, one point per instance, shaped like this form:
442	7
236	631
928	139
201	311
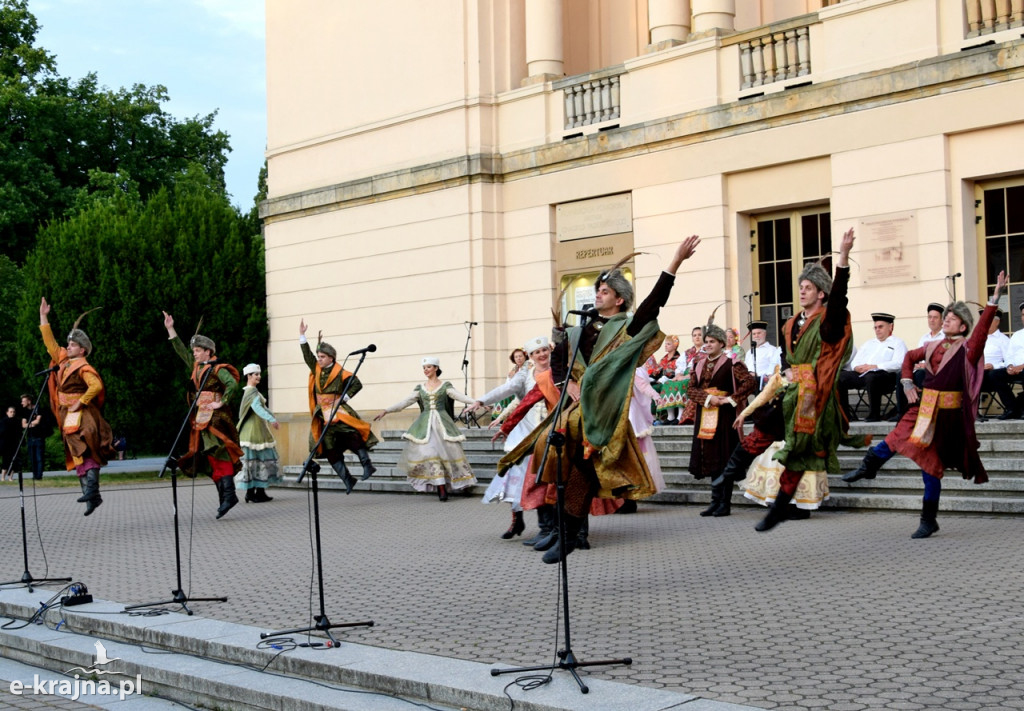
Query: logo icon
101	660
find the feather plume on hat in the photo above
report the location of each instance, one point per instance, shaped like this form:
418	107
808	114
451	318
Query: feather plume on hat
78	335
713	330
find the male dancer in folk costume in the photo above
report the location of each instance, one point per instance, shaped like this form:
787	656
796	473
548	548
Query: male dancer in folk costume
817	341
76	398
347	431
937	430
601	456
718	386
213	446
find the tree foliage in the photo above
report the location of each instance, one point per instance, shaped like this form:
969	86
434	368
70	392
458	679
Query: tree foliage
10	292
185	250
57	135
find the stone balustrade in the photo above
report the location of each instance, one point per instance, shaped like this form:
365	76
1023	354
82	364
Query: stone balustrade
591	99
988	16
776	55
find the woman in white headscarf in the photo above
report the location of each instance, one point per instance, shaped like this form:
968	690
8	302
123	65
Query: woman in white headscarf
433	458
260	466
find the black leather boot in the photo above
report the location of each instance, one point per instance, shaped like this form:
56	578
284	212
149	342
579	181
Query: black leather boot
572	532
736	468
342	471
261	495
92	490
545	516
868	468
517	527
364	459
228	498
583	538
716	500
250	496
776	514
929	524
84	497
725	505
442	492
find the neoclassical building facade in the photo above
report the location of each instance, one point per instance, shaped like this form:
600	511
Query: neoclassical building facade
438	164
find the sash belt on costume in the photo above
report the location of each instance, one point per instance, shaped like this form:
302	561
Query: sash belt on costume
932	400
203	412
709	416
807	390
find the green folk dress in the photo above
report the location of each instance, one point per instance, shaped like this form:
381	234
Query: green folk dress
433	451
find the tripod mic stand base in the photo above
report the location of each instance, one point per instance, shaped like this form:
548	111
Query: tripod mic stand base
322	625
178	598
28	581
569	663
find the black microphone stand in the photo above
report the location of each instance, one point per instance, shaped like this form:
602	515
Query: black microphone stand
178	594
556	439
953	278
749	298
465	356
313	468
26	577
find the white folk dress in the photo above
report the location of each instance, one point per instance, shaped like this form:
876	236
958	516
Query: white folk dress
433	454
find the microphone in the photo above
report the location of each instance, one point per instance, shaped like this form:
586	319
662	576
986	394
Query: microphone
471	323
52	369
751	294
586	313
369	349
957	275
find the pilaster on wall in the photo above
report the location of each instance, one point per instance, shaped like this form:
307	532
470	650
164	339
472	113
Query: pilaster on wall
908	179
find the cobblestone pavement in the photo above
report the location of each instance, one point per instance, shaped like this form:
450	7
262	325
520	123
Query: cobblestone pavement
843	611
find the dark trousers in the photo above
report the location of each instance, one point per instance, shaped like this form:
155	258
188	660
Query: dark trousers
877	383
36	447
998	381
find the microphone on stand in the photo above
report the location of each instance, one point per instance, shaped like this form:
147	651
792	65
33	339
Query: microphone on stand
471	323
52	369
587	313
369	349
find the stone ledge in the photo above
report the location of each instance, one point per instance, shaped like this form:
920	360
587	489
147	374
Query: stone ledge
218	676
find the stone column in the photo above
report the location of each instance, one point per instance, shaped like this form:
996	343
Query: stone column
710	15
669	21
544	57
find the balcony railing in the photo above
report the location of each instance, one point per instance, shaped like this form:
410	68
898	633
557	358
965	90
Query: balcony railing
591	99
775	56
987	16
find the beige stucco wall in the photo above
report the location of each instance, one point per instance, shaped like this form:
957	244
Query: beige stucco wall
394	219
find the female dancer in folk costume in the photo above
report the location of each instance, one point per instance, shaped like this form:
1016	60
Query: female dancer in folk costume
76	397
510	487
260	466
643	424
520	361
433	458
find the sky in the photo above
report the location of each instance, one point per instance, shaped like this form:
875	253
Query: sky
208	53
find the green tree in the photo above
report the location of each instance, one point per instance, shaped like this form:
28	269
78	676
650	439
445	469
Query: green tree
185	250
57	133
10	294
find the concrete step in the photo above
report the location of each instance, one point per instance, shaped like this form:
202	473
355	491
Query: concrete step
211	664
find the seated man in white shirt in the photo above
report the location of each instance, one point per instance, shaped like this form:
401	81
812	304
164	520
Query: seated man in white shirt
768	356
934	333
1015	362
996	378
875	368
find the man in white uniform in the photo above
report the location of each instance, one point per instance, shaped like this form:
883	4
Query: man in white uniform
934	333
1015	362
875	368
997	377
768	356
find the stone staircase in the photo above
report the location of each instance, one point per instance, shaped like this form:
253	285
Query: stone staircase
897	487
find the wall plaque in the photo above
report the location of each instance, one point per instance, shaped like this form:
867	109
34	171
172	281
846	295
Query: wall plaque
887	249
608	215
